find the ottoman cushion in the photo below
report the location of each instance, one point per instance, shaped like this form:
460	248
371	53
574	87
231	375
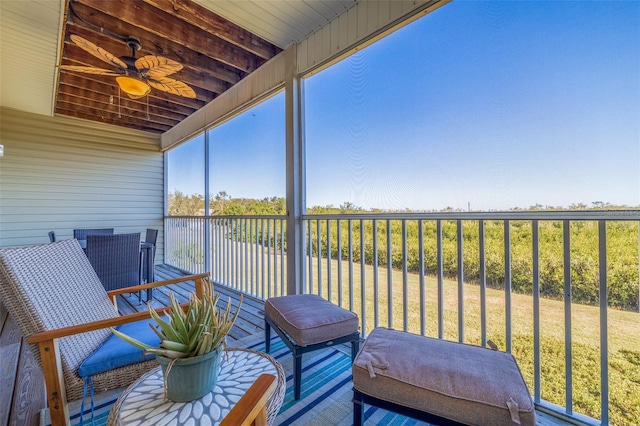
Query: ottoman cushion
310	319
468	384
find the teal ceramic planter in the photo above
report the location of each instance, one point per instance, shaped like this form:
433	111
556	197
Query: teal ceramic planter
191	378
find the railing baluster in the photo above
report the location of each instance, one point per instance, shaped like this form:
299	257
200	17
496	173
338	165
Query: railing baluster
254	261
319	243
282	265
405	278
566	230
423	307
389	276
507	283
363	284
228	226
262	268
483	284
376	298
310	257
237	258
440	273
339	244
535	240
329	269
460	282
271	291
604	339
350	224
248	255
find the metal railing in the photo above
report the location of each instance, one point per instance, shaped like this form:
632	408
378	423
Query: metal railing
243	252
470	277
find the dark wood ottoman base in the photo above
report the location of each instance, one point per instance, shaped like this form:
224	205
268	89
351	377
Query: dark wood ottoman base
359	399
306	323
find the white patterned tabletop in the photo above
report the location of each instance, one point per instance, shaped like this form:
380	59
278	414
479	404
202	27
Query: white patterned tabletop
143	402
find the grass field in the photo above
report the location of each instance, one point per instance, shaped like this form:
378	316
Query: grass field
623	334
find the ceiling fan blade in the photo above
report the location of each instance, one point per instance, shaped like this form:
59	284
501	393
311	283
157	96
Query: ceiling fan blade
172	86
96	51
89	70
157	66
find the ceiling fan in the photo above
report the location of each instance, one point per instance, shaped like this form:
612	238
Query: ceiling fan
134	76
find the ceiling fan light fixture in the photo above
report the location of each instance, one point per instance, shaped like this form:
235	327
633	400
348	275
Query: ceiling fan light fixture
133	87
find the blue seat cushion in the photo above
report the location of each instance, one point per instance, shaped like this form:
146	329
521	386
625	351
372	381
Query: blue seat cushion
115	352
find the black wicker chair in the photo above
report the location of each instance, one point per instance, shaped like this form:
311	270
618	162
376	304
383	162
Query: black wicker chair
116	259
151	236
81	234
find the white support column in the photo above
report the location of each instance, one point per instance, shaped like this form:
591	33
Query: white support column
295	173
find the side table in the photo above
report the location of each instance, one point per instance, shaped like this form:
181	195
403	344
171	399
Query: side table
143	401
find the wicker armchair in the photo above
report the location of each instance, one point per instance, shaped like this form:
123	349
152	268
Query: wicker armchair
63	312
116	258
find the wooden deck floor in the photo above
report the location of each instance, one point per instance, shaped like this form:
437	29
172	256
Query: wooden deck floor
22	394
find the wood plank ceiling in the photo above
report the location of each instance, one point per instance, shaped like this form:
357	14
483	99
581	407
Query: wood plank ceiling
214	52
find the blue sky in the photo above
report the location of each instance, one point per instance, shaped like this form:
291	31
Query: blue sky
489	104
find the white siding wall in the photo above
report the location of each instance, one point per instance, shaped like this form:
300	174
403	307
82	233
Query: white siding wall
61	173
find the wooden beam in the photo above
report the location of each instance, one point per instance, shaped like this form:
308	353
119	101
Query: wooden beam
138	125
126	104
167	26
201	17
152	44
83	105
108	86
199	81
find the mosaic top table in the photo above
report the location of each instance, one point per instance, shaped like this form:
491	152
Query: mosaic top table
143	402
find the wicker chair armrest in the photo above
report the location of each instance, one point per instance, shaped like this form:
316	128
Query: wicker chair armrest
91	326
251	409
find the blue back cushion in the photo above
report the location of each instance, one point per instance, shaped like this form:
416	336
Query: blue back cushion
115	352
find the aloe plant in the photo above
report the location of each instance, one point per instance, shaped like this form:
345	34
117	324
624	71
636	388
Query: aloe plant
196	330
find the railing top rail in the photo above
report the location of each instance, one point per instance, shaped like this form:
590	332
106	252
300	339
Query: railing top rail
503	215
244	216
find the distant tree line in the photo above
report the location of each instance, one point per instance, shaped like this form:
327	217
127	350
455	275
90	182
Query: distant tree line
622	247
221	204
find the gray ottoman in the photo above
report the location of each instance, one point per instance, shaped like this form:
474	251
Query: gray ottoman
306	323
440	381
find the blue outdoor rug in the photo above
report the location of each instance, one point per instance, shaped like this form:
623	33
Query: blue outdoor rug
325	395
327	388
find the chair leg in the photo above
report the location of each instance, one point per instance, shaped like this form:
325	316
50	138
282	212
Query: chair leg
267	336
297	375
358	411
355	346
